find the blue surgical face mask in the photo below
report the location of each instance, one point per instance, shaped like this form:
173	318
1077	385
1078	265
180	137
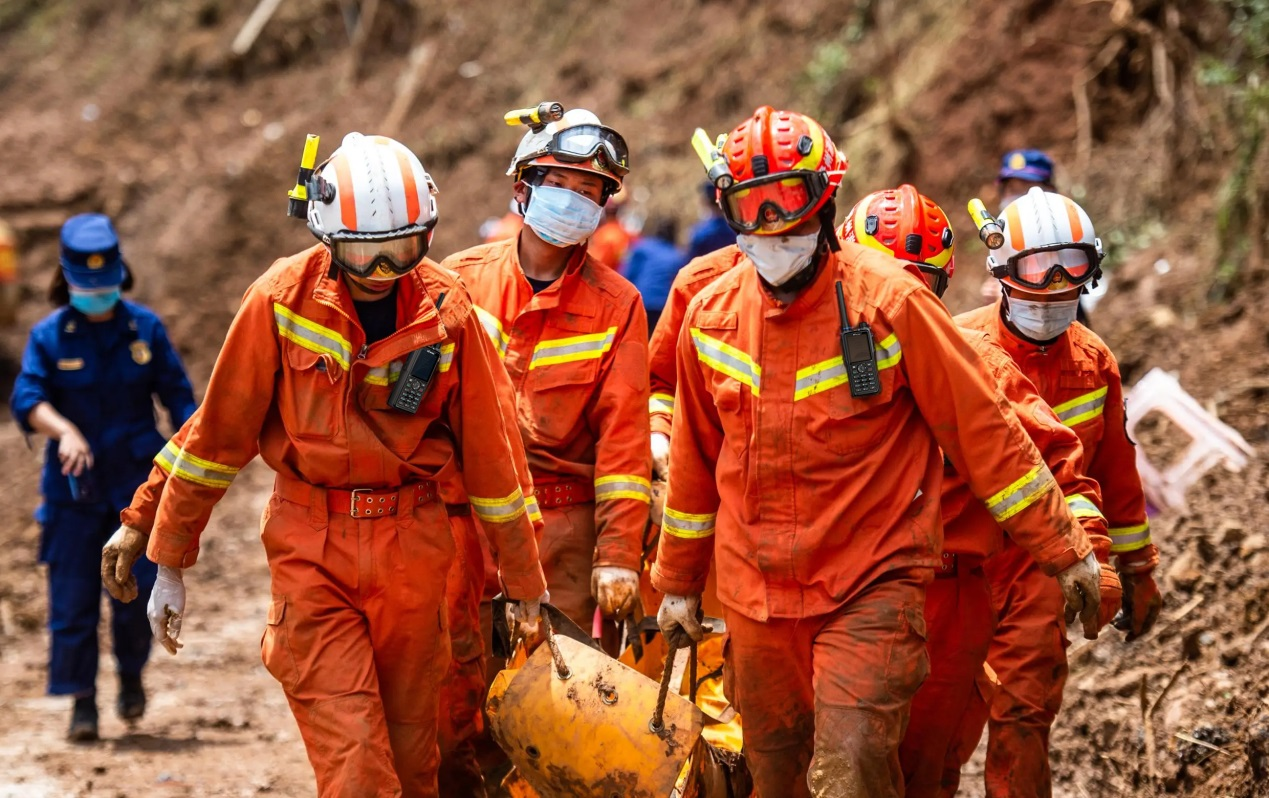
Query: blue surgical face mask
94	303
561	217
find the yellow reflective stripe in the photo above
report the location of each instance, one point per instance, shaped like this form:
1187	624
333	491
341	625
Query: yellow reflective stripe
498	511
623	486
578	347
312	336
531	506
889	352
447	357
690	526
1082	408
1129	538
728	360
661	403
820	377
494	328
1020	494
182	464
1083	507
385	375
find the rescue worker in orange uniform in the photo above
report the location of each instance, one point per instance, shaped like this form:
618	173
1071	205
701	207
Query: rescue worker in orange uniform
611	240
573	336
817	487
357	537
958	614
1050	253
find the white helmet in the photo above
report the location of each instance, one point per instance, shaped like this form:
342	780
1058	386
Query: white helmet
577	140
1050	245
373	204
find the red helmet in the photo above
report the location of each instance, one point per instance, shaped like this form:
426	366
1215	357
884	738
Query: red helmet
905	223
785	168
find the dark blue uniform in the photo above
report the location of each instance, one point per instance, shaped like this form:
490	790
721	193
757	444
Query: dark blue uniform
102	376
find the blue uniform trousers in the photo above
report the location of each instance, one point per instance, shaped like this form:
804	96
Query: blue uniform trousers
73	535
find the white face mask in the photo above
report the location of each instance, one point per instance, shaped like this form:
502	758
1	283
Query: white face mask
779	258
1041	321
561	217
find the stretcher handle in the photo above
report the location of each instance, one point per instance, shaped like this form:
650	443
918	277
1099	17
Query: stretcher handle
657	725
561	668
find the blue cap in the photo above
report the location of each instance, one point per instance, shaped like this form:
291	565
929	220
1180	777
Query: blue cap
1032	165
90	252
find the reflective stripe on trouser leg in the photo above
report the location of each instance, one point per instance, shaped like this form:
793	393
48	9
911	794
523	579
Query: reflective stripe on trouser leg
567	552
959	621
357	636
1028	654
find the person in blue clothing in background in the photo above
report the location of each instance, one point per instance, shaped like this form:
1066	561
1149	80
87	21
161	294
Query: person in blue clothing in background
89	374
712	232
651	263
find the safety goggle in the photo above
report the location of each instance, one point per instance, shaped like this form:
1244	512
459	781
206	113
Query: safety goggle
1036	268
935	277
364	256
772	203
581	143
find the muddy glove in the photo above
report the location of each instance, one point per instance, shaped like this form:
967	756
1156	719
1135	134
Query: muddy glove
167	607
680	620
615	589
1081	587
1142	599
660	459
117	558
524	617
1111	595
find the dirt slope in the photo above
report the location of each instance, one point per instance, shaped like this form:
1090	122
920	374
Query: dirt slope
137	108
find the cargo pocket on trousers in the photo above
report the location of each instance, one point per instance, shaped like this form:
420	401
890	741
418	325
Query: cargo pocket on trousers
275	646
907	664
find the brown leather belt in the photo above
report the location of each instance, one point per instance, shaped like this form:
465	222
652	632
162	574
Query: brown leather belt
365	502
562	492
952	564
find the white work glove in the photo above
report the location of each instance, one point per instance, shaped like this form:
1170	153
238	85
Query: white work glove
680	620
1081	586
117	558
524	617
615	589
167	608
660	458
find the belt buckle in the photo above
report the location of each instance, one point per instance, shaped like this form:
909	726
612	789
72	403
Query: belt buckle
353	502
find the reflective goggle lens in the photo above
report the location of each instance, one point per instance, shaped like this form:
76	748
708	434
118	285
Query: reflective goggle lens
770	206
583	142
362	257
1038	268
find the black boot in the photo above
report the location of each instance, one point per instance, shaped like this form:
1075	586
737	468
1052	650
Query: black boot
83	726
131	704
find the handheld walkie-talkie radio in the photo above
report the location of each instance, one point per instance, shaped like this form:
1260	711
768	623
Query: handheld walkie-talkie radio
416	376
858	353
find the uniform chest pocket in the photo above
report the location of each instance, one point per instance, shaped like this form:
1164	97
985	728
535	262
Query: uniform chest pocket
310	394
555	403
734	403
842	423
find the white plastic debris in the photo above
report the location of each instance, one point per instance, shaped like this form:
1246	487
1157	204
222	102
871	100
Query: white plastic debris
1213	442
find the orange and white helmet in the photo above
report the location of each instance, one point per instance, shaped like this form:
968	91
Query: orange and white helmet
374	205
1050	245
577	140
906	224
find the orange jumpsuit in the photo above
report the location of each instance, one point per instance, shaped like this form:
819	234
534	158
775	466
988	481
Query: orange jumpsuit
577	354
358	542
958	613
1079	378
823	510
